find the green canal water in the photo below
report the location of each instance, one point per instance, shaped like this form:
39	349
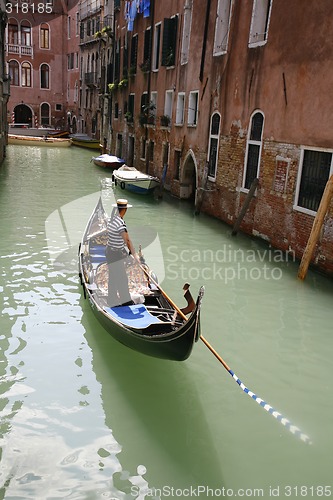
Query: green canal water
83	417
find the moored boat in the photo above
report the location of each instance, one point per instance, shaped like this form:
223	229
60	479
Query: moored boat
84	141
108	161
135	181
22	140
153	326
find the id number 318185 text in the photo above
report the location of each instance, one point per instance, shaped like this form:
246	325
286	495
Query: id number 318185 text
25	8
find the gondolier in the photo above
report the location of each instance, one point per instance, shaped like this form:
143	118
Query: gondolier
119	246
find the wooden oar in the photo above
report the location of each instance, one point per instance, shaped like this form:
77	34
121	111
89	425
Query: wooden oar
284	421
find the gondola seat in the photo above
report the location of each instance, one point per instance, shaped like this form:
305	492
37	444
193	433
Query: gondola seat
136	317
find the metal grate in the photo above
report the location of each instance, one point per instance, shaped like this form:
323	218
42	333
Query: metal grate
315	173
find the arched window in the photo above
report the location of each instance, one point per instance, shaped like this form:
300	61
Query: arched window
13	32
25	34
44	76
26	74
14	72
45	114
213	145
253	149
44	36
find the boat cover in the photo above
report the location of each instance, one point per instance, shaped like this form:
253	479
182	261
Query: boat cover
134	316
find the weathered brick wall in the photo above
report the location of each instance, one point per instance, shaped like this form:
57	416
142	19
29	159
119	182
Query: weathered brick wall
271	215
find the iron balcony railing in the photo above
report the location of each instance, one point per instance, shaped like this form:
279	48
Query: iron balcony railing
91	79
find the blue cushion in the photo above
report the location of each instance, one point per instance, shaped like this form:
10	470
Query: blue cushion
97	254
135	316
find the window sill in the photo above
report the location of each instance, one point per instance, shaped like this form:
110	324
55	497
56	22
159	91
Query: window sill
304	210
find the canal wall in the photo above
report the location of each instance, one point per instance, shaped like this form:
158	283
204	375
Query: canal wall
272	214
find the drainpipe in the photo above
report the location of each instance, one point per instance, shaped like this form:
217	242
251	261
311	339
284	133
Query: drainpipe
204	43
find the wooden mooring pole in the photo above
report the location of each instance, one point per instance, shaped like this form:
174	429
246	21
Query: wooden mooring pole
316	228
245	206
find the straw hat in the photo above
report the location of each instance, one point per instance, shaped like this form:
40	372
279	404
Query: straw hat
122	203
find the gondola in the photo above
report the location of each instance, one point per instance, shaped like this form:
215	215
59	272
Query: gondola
153	325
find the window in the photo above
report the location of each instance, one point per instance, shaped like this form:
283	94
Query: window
13	32
180	108
70	60
165	157
144	105
14	72
192	115
153	104
143	149
156	51
316	168
213	145
253	149
68	26
151	151
186	32
26	74
168	103
77	24
58	107
25	34
145	66
44	76
76	91
177	160
169	41
44	36
130	110
45	114
261	14
222	27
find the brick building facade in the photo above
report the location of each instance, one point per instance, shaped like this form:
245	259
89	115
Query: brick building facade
209	96
246	91
42	43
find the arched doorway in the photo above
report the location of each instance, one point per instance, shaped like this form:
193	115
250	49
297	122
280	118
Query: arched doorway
23	114
188	180
74	125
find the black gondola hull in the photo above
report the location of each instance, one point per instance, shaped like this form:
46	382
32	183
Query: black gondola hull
171	338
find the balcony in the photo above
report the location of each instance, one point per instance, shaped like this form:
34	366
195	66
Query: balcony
91	79
19	50
87	8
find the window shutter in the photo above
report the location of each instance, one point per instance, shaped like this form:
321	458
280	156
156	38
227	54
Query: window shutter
169	41
147	46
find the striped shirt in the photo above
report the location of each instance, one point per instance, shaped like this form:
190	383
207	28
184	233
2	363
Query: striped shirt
116	226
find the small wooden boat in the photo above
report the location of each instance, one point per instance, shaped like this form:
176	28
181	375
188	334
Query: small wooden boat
27	140
84	141
133	180
64	134
108	161
153	326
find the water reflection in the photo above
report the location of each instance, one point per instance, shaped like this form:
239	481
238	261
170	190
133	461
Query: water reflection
155	412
